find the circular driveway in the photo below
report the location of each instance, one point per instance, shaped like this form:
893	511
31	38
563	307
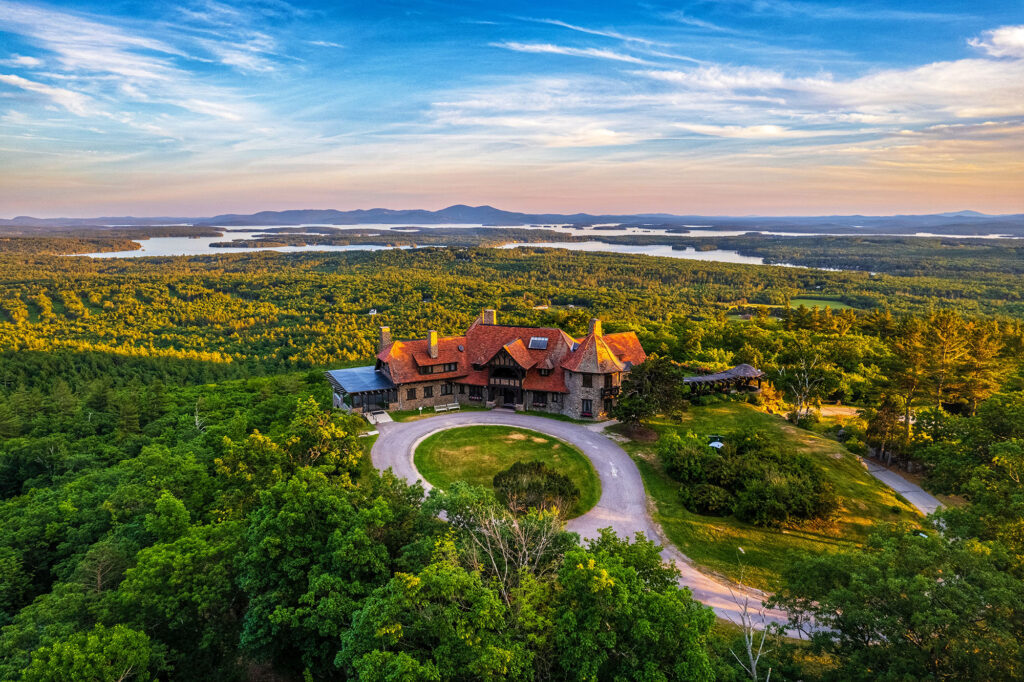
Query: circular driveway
623	503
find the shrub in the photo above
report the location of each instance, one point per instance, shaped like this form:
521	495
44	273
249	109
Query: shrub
526	485
750	476
856	446
708	499
684	458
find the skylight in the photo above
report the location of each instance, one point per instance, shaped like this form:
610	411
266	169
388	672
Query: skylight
538	343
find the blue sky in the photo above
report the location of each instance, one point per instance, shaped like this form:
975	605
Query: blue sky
722	107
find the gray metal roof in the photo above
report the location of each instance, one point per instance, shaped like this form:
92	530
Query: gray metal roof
358	379
743	371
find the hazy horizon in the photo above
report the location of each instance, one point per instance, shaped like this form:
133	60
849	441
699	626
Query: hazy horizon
737	107
500	208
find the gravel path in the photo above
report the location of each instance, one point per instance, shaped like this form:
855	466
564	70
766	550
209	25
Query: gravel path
914	494
623	503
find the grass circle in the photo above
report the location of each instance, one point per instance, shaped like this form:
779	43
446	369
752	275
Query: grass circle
474	454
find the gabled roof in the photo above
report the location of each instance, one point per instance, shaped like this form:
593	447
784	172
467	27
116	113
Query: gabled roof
626	347
481	342
404	358
517	349
593	356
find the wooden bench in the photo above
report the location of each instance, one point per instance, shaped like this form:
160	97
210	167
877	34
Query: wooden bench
447	407
440	408
453	407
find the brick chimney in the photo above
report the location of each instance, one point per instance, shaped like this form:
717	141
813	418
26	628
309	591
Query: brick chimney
385	339
432	342
595	327
490	316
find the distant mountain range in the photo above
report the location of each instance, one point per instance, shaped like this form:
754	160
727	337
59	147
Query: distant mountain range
968	222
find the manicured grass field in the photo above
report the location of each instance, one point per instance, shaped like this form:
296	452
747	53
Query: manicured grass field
714	542
476	453
820	303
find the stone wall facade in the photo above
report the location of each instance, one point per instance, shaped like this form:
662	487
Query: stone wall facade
436	396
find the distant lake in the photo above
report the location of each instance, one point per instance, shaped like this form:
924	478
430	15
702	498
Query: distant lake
201	246
664	250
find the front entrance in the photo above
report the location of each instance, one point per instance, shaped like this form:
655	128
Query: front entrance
509	397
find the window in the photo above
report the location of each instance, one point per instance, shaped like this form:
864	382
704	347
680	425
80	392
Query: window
587	408
608	380
608	405
588	381
538	343
410	394
540	398
439	369
476	392
556	397
428	391
462	389
545	372
447	389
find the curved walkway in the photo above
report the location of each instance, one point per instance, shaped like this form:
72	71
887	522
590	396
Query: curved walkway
623	503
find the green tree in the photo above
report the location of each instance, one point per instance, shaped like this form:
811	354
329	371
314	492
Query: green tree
100	655
619	615
183	593
651	388
319	438
314	549
170	518
443	623
911	606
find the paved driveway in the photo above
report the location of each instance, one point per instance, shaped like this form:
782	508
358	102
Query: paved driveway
623	503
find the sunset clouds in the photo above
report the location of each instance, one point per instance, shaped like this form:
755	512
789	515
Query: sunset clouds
733	107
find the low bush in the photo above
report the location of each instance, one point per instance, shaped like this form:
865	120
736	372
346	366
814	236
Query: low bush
535	485
707	499
749	477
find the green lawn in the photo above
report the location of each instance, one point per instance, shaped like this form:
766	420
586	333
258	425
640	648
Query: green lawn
820	303
714	542
476	453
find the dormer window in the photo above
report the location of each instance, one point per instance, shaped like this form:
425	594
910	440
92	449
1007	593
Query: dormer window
545	372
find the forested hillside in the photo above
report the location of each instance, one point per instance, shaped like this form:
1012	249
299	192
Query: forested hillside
177	502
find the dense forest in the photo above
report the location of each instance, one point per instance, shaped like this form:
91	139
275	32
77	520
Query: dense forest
177	502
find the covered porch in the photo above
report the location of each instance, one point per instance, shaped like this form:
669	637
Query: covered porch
740	377
361	389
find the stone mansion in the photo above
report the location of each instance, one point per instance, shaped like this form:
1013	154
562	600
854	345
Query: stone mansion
494	365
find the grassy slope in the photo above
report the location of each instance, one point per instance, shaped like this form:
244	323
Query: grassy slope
820	303
713	542
476	453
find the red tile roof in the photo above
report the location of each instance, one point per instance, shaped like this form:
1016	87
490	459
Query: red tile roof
626	347
404	358
593	353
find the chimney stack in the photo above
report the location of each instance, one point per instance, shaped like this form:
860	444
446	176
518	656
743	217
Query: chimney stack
595	327
385	339
432	342
490	317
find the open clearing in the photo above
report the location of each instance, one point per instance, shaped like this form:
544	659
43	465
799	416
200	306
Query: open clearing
714	542
474	454
820	303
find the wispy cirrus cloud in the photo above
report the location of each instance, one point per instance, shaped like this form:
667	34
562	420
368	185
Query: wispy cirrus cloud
75	102
604	33
844	11
590	52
